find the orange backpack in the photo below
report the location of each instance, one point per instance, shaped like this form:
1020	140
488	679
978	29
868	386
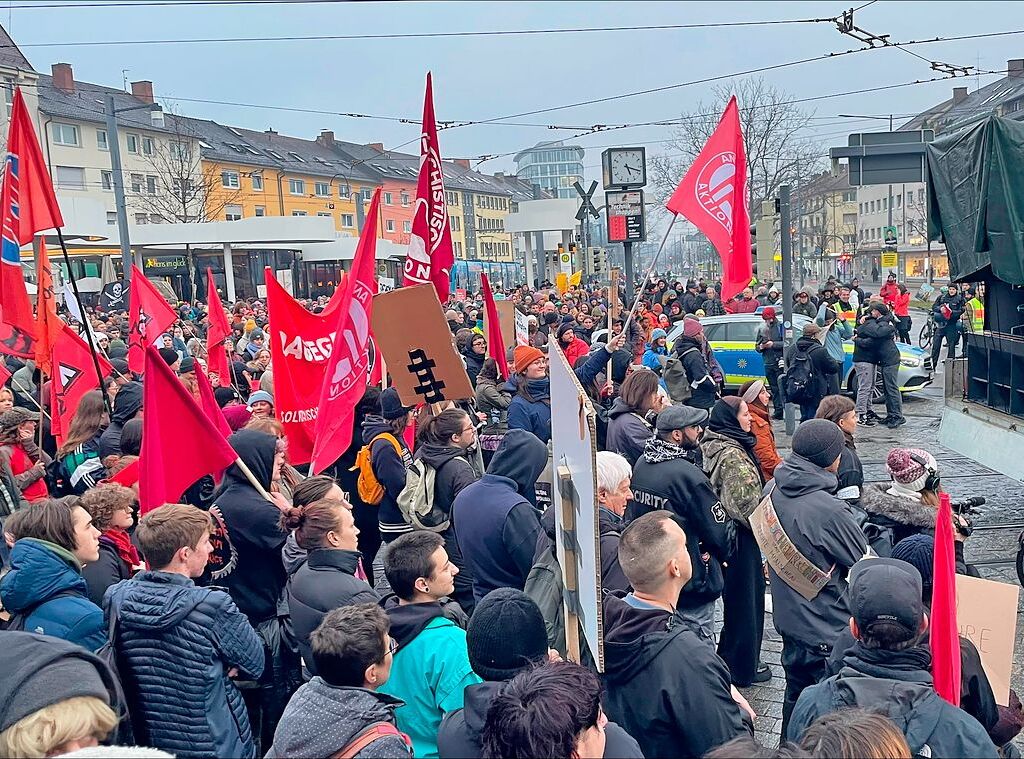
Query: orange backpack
367	485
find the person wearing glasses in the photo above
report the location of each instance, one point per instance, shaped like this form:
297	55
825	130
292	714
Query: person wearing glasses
341	712
473	348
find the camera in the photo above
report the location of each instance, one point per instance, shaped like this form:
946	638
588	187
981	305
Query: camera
964	510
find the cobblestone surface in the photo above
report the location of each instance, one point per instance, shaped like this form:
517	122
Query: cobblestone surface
998	524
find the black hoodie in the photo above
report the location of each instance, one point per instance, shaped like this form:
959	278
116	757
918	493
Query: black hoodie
253	574
665	684
127	403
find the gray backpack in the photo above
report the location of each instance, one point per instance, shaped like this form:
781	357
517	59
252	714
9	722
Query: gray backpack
416	501
676	381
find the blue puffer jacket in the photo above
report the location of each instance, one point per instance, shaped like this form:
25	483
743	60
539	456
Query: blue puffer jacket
41	570
176	643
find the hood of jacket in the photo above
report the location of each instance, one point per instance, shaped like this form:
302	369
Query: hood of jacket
373	425
476	700
437	455
322	719
293	555
39	570
796	476
155	600
521	457
634	637
875	499
256	449
409	620
618	408
127	402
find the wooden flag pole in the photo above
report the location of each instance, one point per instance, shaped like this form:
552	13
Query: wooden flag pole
252	479
28	395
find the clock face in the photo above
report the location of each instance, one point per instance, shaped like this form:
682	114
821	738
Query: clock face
627	167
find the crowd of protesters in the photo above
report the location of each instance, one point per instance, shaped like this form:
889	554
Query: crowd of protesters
329	622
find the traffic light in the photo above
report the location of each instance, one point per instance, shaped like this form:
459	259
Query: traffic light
598	261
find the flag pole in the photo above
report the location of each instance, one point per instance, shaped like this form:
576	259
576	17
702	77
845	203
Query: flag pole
88	330
252	479
647	277
27	394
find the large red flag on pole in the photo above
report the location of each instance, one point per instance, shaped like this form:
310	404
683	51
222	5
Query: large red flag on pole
27	205
430	256
149	315
167	468
346	371
74	375
208	401
217	334
495	340
713	195
48	326
945	635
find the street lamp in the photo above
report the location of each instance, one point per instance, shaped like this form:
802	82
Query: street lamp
157	116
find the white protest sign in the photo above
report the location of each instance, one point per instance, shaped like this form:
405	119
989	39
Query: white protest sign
573	461
385	284
986	613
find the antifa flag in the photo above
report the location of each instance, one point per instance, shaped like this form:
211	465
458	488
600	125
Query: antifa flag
430	256
74	375
346	370
149	315
300	347
217	334
713	196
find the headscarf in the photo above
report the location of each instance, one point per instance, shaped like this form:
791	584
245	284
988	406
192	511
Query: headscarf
724	421
750	392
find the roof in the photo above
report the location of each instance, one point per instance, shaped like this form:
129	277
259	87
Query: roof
458	177
11	56
520	188
384	164
88	101
548	144
824	184
1004	97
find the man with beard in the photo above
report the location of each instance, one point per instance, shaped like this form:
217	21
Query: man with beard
665	478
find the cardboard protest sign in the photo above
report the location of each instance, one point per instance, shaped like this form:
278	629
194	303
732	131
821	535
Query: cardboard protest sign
410	330
515	328
986	614
574	451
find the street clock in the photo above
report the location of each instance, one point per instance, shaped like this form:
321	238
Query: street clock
622	168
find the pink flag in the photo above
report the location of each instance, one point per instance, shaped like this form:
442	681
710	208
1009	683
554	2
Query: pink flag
945	635
349	363
713	195
495	340
430	256
209	402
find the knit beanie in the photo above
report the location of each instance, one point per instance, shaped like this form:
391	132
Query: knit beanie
506	634
169	355
692	328
908	473
819	441
523	356
658	334
565	327
918	551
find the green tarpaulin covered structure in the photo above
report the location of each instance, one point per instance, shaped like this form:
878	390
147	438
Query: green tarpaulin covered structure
976	199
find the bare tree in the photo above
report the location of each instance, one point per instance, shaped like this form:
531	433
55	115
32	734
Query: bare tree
778	150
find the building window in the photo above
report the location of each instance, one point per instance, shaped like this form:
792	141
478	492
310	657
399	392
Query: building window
71	177
111	218
387	198
344	191
407	226
899	200
346	220
260	211
229	179
137	180
181	186
147	146
297	186
151	184
101	139
456	223
155	218
920	196
322	189
180	151
389	225
107	180
257	182
298	213
65	134
141	218
405	198
232	213
365	194
323	213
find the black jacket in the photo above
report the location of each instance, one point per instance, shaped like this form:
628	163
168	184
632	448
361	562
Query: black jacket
899	686
850	477
875	342
461	733
822	364
325	581
610	527
703	389
627	432
665	684
683	489
474	362
109	570
127	403
957	304
454	470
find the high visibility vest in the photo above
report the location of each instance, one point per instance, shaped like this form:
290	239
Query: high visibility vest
977	314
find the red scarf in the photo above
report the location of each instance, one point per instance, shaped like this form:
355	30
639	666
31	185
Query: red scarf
123	543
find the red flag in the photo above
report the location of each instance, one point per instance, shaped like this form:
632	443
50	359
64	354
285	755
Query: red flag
167	467
48	326
495	340
127	476
4	374
430	256
149	315
209	402
945	635
217	334
713	195
346	371
74	375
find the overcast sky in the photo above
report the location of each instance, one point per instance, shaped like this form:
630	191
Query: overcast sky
487	77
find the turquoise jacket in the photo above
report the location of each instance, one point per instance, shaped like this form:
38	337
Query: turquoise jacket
430	672
840	331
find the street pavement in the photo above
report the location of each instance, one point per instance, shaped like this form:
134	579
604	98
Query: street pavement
994	539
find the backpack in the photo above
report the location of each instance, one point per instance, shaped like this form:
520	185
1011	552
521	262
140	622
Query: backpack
799	376
369	736
367	485
416	501
544	587
676	381
58	482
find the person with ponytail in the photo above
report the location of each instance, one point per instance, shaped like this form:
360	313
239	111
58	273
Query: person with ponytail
327	579
446	443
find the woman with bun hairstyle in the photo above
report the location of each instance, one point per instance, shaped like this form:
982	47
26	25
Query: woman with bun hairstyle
327	579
